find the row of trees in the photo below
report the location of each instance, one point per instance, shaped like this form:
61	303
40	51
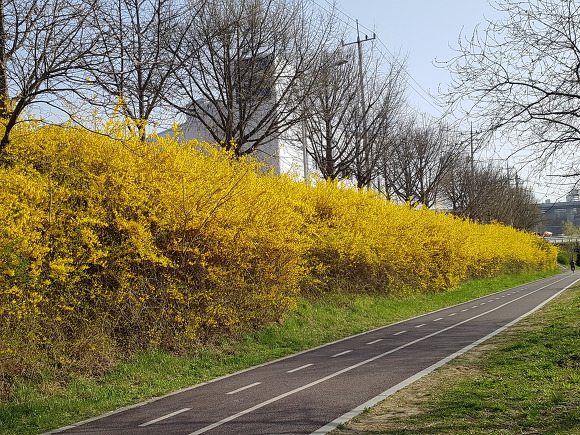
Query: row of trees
486	192
430	164
247	70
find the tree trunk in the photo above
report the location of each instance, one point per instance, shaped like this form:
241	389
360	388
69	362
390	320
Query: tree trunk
4	96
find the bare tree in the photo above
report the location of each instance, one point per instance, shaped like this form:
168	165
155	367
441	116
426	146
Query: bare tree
420	156
246	67
330	109
41	42
523	207
475	190
458	186
485	193
133	64
520	74
335	127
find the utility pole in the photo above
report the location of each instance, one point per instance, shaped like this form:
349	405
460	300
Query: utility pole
362	100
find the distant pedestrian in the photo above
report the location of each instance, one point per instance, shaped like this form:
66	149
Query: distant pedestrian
572	265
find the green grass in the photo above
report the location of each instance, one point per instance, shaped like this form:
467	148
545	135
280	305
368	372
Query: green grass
525	381
51	402
530	383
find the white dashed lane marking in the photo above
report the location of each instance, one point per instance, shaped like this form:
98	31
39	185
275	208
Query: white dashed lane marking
375	341
299	368
436	320
164	417
244	388
341	353
399	333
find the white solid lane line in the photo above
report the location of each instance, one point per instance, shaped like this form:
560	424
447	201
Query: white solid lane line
341	353
164	417
299	368
244	388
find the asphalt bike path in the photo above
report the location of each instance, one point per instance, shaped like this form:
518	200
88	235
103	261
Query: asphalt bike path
312	392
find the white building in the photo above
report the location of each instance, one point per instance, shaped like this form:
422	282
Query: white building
283	153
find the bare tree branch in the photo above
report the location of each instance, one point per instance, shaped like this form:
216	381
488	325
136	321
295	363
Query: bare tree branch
521	76
133	65
41	43
246	63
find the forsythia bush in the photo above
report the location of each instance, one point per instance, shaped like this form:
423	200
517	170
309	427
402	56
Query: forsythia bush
363	243
111	245
122	244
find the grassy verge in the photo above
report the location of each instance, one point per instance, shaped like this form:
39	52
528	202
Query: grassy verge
51	402
523	381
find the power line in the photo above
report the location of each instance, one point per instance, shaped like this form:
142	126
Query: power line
352	23
420	94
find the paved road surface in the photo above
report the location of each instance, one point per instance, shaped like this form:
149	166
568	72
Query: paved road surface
313	391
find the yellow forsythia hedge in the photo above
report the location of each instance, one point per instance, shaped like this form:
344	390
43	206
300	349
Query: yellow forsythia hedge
109	245
362	242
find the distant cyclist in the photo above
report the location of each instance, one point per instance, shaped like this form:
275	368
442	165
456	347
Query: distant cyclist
572	265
